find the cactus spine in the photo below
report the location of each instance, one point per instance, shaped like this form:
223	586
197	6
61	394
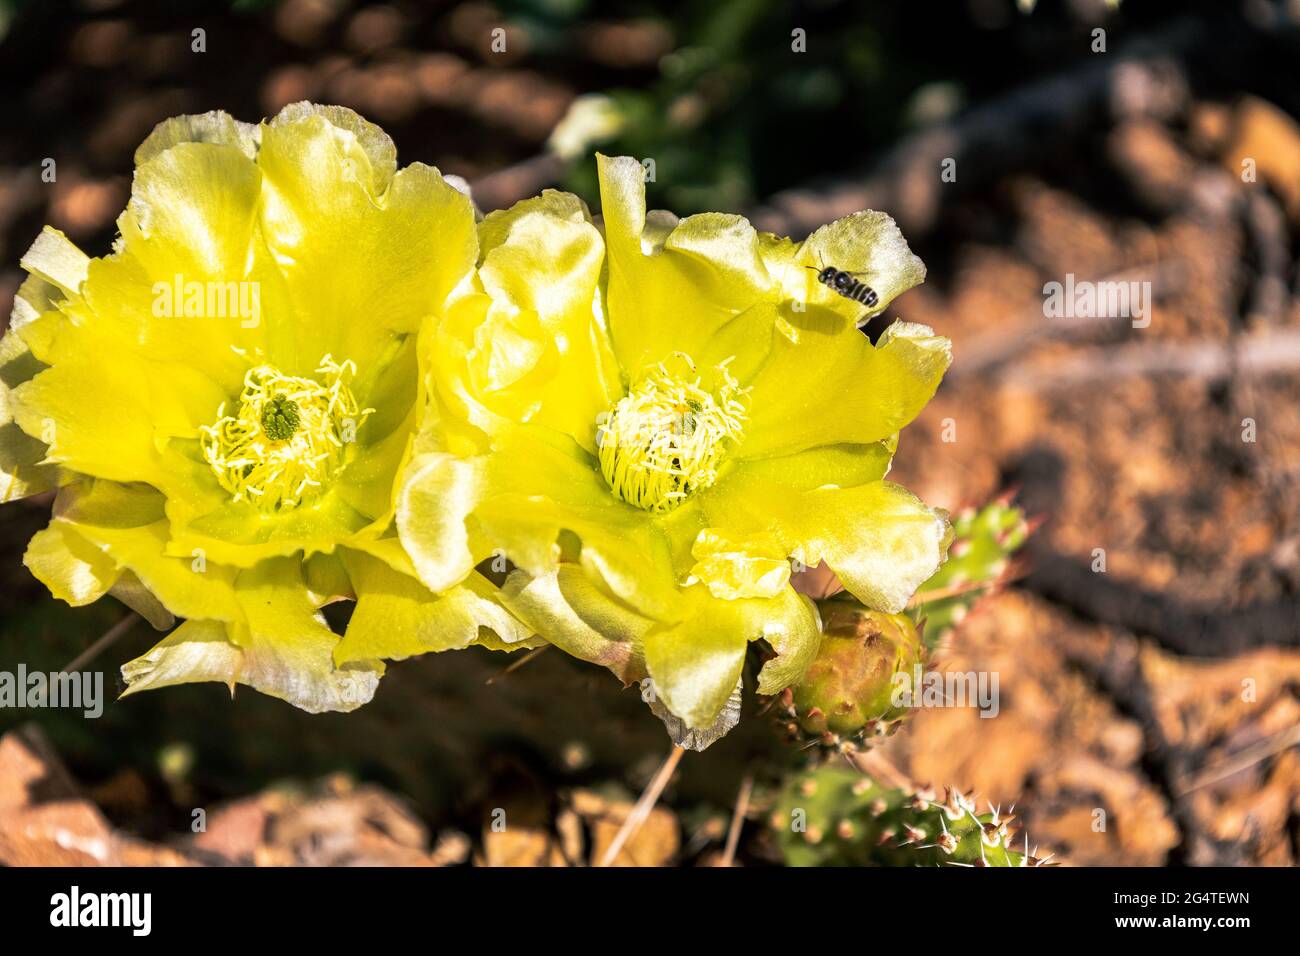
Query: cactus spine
979	561
838	817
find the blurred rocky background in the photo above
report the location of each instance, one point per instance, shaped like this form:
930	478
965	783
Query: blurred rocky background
1163	692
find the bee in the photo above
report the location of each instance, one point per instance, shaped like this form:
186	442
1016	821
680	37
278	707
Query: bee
844	283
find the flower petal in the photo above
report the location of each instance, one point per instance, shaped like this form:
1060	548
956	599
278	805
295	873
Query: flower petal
72	568
795	633
126	524
541	355
195	652
292	670
397	617
112	419
438	494
840	465
518	499
56	261
565	608
287	648
739	566
362	249
22	468
696	662
881	540
866	244
214	127
535	490
672	291
825	383
185	285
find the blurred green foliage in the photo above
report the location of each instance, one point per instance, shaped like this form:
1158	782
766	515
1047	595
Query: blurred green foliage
756	96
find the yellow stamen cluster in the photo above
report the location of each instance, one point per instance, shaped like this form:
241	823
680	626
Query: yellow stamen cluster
288	438
667	437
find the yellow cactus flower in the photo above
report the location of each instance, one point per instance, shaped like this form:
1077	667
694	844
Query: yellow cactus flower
225	403
652	419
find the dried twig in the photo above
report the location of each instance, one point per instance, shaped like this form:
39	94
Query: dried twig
994	349
108	637
515	665
1210	361
1240	761
921	598
737	821
877	765
643	806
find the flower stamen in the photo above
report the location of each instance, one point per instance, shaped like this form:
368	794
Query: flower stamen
666	438
288	437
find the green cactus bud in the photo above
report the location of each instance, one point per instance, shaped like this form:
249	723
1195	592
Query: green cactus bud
979	560
846	690
837	817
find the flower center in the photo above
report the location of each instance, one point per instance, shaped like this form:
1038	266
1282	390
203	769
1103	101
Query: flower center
288	437
666	438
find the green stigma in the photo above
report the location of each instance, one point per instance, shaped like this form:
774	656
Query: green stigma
667	438
288	438
280	419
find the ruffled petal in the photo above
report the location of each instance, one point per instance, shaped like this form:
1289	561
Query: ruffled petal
294	670
526	506
739	566
216	127
23	470
795	633
72	568
288	649
696	662
565	608
397	617
125	525
517	499
672	289
186	586
438	494
185	287
112	418
824	383
881	540
237	534
870	247
363	250
196	652
541	353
